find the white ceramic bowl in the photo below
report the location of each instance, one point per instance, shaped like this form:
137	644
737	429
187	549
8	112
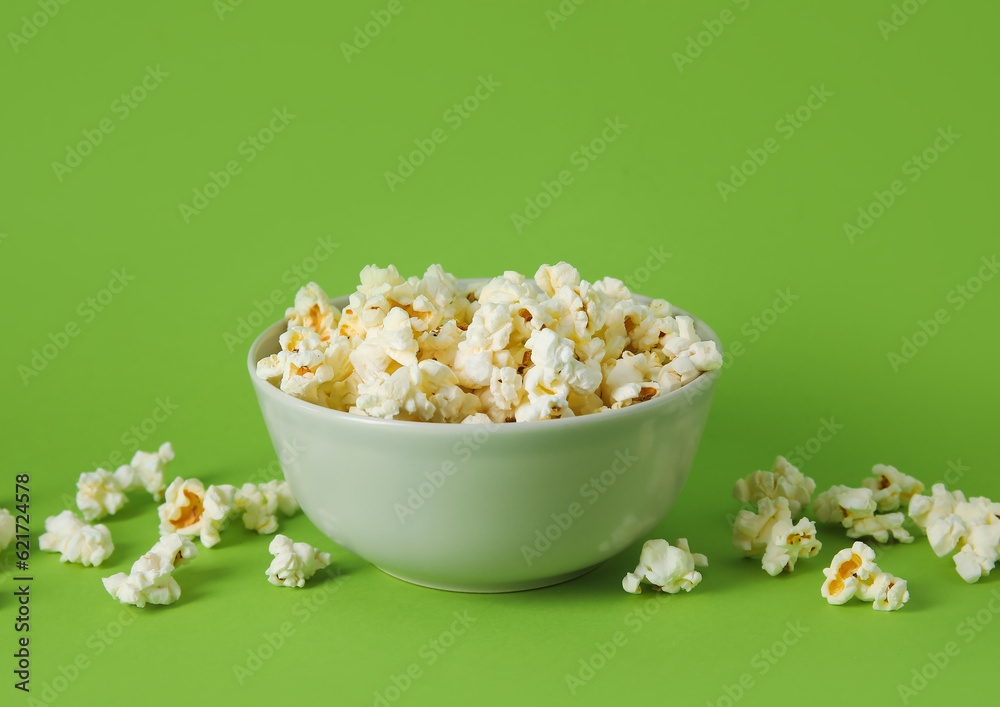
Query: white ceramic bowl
485	507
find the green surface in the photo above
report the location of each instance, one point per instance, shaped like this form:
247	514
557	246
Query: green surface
215	80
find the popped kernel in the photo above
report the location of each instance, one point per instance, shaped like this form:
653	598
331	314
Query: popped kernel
892	488
789	543
667	568
294	563
192	510
854	573
752	531
151	579
76	540
259	505
784	480
99	494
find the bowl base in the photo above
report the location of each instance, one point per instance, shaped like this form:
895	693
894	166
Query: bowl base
496	588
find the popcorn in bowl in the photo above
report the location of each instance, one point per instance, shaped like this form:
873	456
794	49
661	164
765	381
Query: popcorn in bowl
508	350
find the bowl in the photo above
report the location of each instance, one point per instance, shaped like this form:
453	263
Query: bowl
486	507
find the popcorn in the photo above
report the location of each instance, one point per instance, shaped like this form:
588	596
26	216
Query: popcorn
891	488
148	468
150	580
516	350
294	563
76	540
978	555
788	543
8	527
752	531
312	309
259	504
880	527
947	533
667	568
853	572
889	592
190	509
784	480
925	510
99	494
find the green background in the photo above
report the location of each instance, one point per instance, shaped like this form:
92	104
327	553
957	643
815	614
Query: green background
169	334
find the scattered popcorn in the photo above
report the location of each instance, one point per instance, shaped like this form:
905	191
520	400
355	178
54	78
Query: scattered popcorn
667	568
853	573
788	543
770	533
8	525
189	509
889	592
978	555
294	563
784	480
891	488
76	540
151	580
260	503
925	510
147	470
855	509
511	349
99	494
752	531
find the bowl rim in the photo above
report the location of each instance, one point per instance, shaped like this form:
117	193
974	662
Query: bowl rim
701	384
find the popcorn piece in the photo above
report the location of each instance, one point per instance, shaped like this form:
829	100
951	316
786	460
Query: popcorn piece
294	563
890	593
99	494
705	356
150	580
836	589
925	510
149	467
667	568
880	527
827	507
190	509
76	540
753	531
788	543
312	309
477	418
891	488
947	533
978	556
7	528
784	480
259	504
